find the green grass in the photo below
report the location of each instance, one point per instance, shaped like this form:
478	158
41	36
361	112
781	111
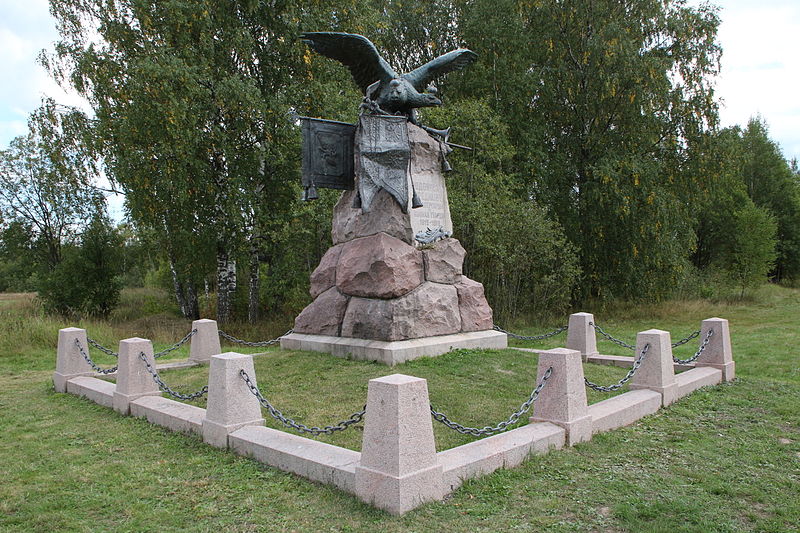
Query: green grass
726	458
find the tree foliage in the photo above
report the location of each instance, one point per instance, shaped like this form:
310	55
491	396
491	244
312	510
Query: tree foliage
88	280
598	170
46	181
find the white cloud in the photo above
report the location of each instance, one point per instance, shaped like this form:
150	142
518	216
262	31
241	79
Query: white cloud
761	67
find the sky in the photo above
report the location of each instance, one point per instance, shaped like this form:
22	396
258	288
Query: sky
760	66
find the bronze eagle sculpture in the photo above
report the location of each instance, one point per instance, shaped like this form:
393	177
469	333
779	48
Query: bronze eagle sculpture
393	93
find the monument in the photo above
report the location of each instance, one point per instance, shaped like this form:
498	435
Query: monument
391	288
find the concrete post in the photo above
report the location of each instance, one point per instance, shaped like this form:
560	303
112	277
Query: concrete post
399	469
718	353
581	336
657	372
69	361
230	403
562	401
205	342
133	379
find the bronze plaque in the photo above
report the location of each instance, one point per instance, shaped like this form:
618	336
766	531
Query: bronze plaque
384	155
327	153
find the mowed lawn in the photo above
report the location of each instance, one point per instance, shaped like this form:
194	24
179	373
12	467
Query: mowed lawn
726	458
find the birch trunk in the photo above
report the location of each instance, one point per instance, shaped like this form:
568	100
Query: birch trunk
192	305
226	286
254	296
177	287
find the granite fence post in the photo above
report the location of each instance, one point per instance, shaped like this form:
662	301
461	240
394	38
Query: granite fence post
230	404
718	352
581	335
133	379
657	371
69	361
562	401
399	469
205	342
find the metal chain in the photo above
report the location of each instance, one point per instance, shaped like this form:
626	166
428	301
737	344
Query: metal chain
164	387
355	418
686	339
176	345
502	426
254	344
92	363
103	349
636	364
609	337
532	337
699	351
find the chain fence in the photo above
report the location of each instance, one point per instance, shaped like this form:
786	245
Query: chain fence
92	363
176	345
699	351
612	339
164	387
610	388
355	418
257	344
172	348
686	339
531	337
100	347
502	426
624	344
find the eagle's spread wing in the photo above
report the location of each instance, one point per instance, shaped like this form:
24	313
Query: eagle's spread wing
457	59
354	51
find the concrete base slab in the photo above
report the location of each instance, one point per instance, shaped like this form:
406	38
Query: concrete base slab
170	414
691	380
314	460
669	393
577	429
94	389
399	494
122	402
505	450
60	380
728	369
623	410
217	434
612	360
161	366
626	362
392	353
529	350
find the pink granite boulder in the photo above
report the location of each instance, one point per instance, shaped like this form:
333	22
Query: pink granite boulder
384	216
324	315
324	276
379	266
443	261
476	315
428	311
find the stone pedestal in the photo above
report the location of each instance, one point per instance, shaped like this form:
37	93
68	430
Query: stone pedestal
581	335
718	354
230	404
377	283
69	361
205	342
133	379
657	370
562	401
399	468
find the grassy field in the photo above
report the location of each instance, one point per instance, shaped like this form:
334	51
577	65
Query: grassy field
725	458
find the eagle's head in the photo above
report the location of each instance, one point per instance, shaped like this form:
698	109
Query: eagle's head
399	95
